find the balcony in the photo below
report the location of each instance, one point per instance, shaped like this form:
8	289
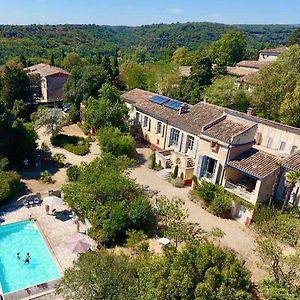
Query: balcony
239	190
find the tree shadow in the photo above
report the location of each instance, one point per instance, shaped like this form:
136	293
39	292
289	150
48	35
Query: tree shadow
34	172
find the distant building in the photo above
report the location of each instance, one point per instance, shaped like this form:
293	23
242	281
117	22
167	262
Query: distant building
52	80
271	54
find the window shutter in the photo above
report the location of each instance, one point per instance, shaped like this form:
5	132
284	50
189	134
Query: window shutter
193	154
149	124
163	130
171	136
215	174
199	166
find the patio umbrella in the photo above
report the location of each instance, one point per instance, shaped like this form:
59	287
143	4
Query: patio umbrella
53	201
79	246
164	241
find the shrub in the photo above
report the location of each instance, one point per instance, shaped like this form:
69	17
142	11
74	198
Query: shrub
175	173
134	237
152	159
73	173
221	204
177	182
46	177
113	141
10	183
207	190
59	158
74	144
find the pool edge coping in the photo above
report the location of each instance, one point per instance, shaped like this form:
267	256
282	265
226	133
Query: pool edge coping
51	251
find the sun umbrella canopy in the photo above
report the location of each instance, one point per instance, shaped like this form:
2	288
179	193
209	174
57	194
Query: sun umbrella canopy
53	201
79	246
164	241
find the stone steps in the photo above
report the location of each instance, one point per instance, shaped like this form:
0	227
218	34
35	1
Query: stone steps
164	174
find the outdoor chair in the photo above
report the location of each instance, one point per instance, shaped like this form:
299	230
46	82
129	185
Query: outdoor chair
26	204
31	203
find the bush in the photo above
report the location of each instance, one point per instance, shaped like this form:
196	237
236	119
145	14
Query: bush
177	182
73	173
10	183
207	190
113	141
221	204
74	144
151	164
46	177
59	158
175	173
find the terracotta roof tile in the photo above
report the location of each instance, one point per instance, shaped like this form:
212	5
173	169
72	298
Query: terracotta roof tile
293	162
226	129
45	70
256	163
254	64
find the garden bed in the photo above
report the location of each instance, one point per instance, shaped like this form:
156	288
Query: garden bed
74	144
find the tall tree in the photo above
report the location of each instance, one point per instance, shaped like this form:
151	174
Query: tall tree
295	37
115	66
52	60
277	87
106	64
228	50
71	60
291	178
15	85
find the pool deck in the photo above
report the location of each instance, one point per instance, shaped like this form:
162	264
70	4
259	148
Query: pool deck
55	232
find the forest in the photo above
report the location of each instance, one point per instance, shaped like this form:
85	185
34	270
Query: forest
154	42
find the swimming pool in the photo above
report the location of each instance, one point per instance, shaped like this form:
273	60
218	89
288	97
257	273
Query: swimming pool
24	237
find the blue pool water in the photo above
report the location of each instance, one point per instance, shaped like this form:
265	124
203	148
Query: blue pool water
24	237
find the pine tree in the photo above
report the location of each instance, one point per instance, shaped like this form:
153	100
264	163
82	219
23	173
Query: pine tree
23	60
52	60
116	65
106	64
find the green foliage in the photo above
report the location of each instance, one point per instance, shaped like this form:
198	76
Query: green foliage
60	159
71	60
73	173
134	76
152	160
15	85
107	111
152	42
74	144
10	184
276	95
294	37
177	182
113	141
219	200
223	92
199	271
207	190
84	82
46	177
228	50
17	138
111	201
270	222
100	275
173	218
275	291
222	203
51	118
175	173
134	237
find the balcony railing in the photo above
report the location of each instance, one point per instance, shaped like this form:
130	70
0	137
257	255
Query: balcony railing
238	190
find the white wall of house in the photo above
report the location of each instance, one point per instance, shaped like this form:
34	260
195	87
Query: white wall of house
267	57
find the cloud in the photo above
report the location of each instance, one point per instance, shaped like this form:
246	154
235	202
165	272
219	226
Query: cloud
176	11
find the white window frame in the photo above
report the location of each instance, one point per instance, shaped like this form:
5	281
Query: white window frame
159	127
269	142
294	149
146	122
190	142
174	137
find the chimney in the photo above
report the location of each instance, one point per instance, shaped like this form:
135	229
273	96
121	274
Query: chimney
250	111
180	110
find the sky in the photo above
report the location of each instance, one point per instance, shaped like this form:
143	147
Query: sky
140	12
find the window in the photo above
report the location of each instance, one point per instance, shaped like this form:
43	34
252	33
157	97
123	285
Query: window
294	149
269	143
159	127
282	146
137	118
174	137
209	167
146	120
190	142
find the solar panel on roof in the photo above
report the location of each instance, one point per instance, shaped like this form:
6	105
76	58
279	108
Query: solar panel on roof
159	99
173	104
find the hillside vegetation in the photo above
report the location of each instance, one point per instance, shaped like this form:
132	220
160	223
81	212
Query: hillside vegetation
154	42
